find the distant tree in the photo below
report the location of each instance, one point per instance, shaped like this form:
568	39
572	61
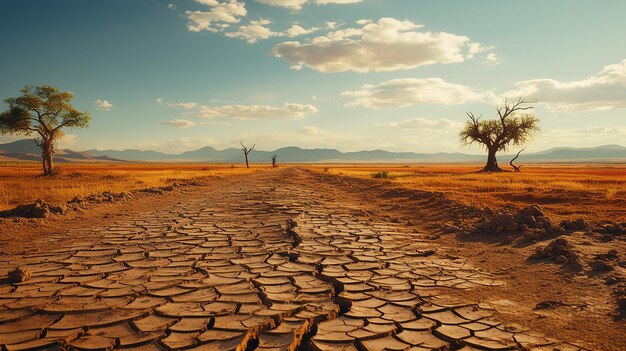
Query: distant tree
509	129
274	157
516	168
246	151
43	110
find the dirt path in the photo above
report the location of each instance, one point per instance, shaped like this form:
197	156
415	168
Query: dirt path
270	262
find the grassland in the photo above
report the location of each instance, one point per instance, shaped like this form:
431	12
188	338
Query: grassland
22	183
597	191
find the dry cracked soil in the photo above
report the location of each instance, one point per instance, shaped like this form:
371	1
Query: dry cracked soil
268	262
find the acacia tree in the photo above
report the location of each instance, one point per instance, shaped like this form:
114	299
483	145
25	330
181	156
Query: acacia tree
509	129
246	151
43	110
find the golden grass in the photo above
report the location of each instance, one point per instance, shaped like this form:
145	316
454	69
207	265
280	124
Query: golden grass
21	183
565	189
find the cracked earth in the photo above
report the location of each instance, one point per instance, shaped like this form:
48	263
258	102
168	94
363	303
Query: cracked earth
260	264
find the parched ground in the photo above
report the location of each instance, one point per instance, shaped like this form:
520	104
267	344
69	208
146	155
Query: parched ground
283	260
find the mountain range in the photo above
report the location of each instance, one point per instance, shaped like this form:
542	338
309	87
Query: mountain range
27	150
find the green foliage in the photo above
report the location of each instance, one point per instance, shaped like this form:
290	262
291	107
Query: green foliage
44	110
510	129
381	175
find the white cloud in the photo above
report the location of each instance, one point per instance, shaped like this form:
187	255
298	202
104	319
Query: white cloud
412	91
254	31
180	123
287	111
297	30
296	5
184	105
104	105
422	123
219	17
384	45
171	6
604	91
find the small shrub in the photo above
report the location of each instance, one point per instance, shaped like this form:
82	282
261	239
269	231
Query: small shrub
381	175
326	169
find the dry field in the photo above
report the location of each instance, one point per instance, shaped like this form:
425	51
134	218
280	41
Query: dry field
233	224
22	183
594	191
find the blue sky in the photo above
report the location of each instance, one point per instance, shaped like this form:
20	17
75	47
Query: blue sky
347	74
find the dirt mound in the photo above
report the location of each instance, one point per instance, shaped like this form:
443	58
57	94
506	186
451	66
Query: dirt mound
559	251
38	209
530	222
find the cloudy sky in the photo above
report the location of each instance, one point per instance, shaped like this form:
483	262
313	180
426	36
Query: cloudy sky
347	74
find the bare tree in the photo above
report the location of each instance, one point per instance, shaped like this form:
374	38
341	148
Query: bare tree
516	168
498	134
246	151
43	110
274	157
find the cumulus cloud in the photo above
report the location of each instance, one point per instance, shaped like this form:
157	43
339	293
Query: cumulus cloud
297	30
104	105
422	123
604	91
178	122
254	31
287	111
221	15
412	91
384	45
296	5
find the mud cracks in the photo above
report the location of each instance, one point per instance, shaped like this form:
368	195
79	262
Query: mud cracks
249	268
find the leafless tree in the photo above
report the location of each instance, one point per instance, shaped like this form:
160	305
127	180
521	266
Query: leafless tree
516	168
246	151
274	157
498	134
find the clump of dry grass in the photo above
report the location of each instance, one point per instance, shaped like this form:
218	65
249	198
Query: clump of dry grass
22	183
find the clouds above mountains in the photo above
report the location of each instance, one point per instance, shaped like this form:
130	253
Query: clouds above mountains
237	112
384	45
412	91
603	91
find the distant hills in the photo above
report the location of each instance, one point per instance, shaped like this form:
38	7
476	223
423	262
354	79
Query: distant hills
28	150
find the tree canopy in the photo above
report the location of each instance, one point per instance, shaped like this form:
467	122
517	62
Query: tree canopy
509	129
44	111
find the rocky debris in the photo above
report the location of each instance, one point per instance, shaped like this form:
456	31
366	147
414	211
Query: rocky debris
611	228
579	224
19	275
603	263
38	209
530	222
559	251
542	305
100	198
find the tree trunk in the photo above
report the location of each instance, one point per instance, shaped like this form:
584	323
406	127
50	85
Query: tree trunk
46	156
50	164
492	163
247	166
